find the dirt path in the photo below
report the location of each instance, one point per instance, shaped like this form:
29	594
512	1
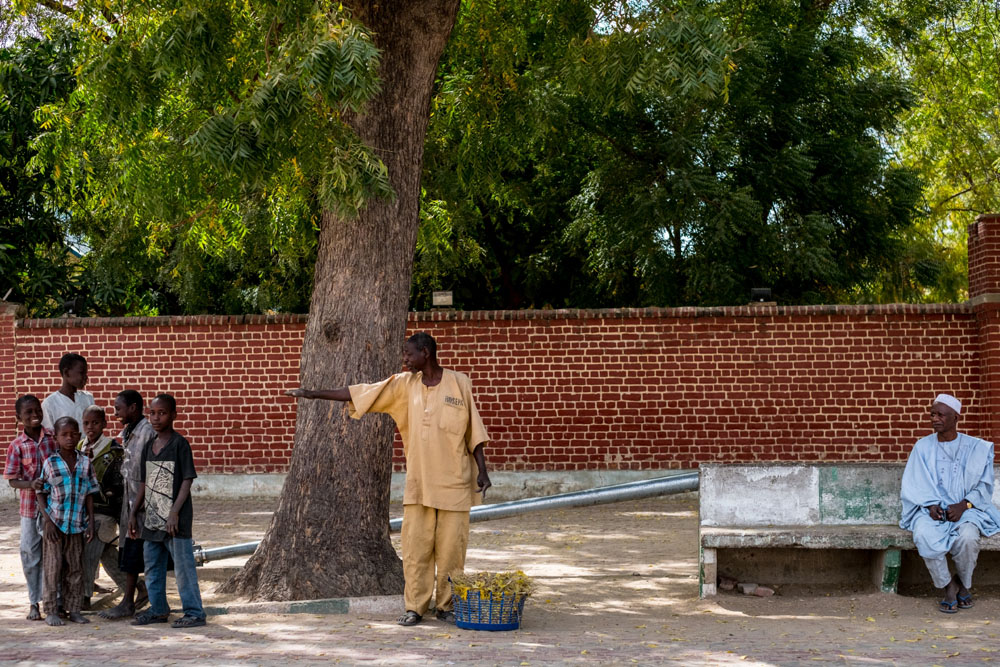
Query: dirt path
616	583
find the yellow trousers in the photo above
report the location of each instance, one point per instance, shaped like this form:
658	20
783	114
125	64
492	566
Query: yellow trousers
432	538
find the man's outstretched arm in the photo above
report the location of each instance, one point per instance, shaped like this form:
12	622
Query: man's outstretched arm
341	394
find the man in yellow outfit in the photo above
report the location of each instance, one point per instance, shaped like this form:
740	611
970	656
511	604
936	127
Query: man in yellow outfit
442	435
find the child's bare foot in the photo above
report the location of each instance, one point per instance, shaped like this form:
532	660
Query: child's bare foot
53	619
77	617
34	614
121	610
101	590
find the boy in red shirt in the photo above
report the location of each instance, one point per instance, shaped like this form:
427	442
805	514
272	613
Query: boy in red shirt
23	471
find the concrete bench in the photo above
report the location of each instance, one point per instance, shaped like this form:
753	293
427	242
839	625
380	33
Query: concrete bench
819	523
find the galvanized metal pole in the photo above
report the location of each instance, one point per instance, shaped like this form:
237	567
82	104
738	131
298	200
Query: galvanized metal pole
648	488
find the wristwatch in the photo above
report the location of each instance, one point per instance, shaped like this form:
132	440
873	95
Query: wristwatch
968	505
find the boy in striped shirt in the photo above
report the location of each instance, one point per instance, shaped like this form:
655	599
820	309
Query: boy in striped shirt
67	506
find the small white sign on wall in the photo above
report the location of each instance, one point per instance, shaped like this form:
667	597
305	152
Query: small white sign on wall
441	299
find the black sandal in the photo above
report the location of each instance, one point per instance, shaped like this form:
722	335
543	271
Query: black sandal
409	618
147	618
188	622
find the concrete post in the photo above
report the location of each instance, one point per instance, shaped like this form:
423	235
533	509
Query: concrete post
8	373
708	572
984	296
885	570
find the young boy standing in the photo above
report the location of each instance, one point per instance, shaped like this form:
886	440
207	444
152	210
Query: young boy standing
136	432
23	471
68	513
105	456
167	472
70	400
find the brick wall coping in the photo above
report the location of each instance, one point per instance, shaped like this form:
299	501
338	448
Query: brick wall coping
552	314
167	321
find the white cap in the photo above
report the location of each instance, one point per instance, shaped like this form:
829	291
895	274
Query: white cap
950	401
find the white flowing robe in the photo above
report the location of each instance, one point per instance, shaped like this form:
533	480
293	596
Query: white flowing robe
923	486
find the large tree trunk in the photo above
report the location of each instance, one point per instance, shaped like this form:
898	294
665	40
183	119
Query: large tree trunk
330	534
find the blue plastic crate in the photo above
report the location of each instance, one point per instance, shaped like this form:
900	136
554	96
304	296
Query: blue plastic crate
476	613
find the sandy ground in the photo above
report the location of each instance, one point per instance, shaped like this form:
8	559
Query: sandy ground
616	584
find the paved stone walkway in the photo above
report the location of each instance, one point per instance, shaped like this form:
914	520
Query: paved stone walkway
616	584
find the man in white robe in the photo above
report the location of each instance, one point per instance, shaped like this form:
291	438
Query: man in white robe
947	494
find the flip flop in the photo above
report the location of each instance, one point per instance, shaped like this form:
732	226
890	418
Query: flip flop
965	601
409	618
946	607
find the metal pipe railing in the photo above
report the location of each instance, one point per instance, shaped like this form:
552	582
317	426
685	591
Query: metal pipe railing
648	488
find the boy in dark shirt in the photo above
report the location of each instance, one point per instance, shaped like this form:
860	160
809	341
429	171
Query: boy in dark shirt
136	433
106	458
167	471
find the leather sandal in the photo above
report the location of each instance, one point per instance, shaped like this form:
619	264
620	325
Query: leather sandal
148	618
409	618
188	622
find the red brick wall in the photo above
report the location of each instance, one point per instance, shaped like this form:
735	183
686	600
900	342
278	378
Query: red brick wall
226	372
984	256
567	390
663	389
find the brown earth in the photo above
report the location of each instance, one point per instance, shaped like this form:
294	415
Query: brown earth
616	584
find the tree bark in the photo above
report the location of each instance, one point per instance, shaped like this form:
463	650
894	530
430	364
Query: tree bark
330	534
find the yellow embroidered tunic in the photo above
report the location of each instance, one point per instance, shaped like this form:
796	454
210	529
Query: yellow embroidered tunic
440	428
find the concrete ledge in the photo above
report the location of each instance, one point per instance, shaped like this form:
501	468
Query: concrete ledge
381	605
813	523
818	537
506	485
807	537
225	487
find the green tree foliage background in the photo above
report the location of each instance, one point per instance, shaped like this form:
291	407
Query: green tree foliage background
200	144
778	171
580	154
951	136
37	265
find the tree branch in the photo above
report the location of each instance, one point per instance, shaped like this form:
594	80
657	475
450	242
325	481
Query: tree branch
957	194
55	6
